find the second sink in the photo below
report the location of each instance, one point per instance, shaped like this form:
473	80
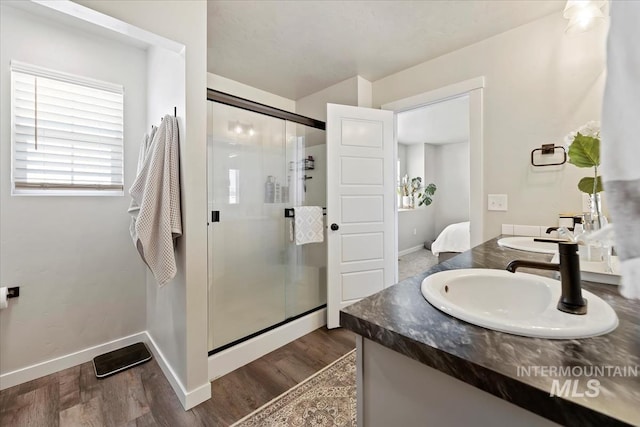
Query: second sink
528	244
517	303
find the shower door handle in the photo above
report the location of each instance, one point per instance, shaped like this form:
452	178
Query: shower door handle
335	227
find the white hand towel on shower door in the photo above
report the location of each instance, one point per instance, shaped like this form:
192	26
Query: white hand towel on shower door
309	226
621	140
156	190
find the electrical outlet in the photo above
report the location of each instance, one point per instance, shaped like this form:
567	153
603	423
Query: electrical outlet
415	232
497	202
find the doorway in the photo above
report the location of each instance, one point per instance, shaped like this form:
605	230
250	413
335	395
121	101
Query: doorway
439	141
433	149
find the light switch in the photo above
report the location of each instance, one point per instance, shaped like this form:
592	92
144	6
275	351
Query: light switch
497	202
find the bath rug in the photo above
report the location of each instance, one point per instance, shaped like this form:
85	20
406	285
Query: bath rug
327	398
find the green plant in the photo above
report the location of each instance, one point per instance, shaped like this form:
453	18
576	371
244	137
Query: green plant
416	183
584	152
425	195
411	187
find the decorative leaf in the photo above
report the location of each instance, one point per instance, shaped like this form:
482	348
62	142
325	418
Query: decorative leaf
425	198
586	184
584	152
426	201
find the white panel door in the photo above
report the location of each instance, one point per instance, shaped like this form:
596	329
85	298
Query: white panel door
360	205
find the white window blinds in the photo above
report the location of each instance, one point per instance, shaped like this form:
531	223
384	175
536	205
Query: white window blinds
67	131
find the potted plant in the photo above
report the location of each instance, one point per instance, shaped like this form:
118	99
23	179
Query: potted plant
409	188
584	152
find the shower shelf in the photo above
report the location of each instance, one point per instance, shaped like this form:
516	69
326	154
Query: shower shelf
304	164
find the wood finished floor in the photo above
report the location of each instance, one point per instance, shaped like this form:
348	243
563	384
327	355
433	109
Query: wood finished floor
141	396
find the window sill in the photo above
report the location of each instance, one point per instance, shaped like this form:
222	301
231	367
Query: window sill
72	193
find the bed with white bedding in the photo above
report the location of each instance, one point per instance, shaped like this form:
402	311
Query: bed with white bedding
455	238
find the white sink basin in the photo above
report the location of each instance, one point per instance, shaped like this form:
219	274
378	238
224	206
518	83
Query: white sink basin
528	244
516	303
598	271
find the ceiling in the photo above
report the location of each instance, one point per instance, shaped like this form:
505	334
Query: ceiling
445	122
295	48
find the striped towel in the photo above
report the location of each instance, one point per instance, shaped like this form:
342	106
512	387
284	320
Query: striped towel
156	194
621	139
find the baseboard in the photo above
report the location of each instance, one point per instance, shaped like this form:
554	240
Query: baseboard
188	399
48	367
233	358
410	250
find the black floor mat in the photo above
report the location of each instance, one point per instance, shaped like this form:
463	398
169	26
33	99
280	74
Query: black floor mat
121	359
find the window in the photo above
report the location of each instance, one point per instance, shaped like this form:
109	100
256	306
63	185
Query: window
234	186
67	133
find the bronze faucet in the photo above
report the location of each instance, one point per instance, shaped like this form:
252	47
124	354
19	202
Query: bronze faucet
571	300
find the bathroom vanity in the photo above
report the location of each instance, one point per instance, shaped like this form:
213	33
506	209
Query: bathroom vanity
417	366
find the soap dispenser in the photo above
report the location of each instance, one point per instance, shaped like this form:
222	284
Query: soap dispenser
269	190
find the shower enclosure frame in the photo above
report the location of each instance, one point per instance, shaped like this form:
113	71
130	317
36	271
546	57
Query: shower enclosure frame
245	104
256	107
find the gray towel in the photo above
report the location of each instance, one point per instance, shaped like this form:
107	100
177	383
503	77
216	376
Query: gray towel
134	208
156	194
621	139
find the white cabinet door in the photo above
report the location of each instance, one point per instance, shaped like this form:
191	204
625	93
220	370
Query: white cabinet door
360	205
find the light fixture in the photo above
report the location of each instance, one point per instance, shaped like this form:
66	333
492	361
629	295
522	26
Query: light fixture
583	15
241	128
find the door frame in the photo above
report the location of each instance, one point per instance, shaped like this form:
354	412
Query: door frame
475	89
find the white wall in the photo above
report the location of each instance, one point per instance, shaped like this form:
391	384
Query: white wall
540	84
165	305
81	280
430	164
414	228
415	161
185	324
365	92
402	158
353	91
242	90
451	201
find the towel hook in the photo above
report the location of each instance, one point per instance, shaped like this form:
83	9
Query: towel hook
175	113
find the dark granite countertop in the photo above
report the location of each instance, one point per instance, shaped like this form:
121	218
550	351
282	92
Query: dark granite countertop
401	319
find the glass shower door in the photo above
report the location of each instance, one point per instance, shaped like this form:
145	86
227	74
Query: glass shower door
306	287
247	240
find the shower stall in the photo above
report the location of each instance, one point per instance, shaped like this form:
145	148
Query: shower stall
261	163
